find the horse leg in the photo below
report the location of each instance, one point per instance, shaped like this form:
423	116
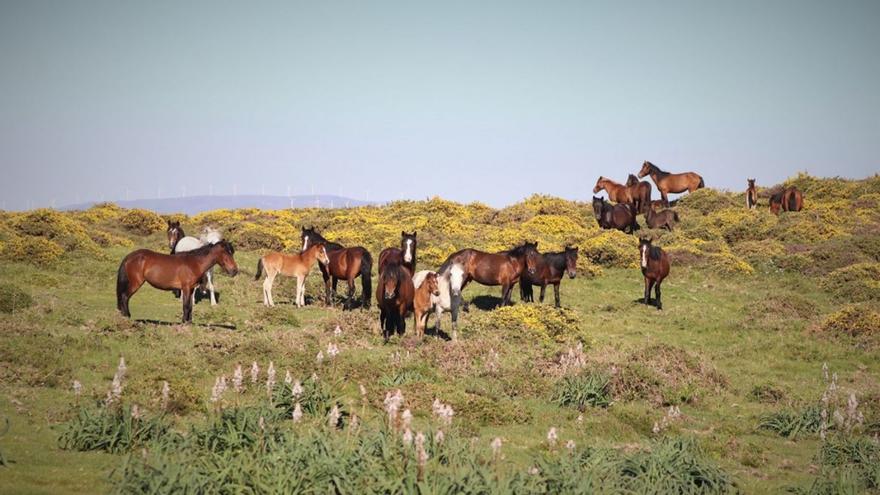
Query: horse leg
657	294
543	290
556	294
455	301
664	198
327	298
349	294
211	287
188	294
382	323
647	290
133	286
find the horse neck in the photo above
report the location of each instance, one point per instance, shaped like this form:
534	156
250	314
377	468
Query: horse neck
309	256
207	260
656	173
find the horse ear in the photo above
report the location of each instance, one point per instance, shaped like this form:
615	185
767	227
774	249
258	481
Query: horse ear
414	233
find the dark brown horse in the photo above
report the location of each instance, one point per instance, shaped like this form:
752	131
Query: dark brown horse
174	233
789	199
405	255
751	195
394	296
346	264
640	192
620	217
171	271
665	219
548	268
655	268
503	268
671	183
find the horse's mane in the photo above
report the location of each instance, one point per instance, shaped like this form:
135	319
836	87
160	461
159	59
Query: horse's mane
210	236
393	270
656	169
655	252
556	260
632	180
203	250
517	251
330	246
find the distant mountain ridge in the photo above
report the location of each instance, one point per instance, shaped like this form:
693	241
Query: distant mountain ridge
192	205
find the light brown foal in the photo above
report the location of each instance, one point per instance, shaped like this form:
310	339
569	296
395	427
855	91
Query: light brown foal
618	193
423	302
290	265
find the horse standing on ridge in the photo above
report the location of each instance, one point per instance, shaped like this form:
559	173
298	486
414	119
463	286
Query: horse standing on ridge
671	183
751	195
640	190
620	216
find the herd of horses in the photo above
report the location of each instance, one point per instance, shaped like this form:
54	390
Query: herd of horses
401	289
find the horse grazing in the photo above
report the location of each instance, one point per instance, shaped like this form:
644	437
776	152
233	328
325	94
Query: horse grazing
616	192
671	183
394	295
503	268
620	217
549	268
665	219
789	199
290	265
171	271
405	255
179	242
345	263
426	296
640	192
751	195
655	268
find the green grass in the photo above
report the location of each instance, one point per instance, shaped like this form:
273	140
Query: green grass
723	325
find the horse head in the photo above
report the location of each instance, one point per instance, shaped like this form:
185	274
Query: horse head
408	246
632	180
225	257
310	236
571	260
432	283
646	169
390	281
175	234
322	253
600	184
598	206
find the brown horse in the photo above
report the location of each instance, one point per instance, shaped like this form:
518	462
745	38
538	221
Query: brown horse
751	195
426	293
789	199
290	265
671	183
174	233
503	268
549	268
655	268
620	217
394	296
405	255
640	192
345	263
171	271
616	192
665	219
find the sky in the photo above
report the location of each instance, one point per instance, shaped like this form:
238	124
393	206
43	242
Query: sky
472	101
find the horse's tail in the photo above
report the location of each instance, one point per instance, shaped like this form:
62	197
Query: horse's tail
792	201
121	285
701	184
259	269
366	277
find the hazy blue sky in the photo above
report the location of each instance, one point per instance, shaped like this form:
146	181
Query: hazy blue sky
470	100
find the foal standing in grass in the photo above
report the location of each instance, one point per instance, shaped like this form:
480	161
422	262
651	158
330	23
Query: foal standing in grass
655	268
290	265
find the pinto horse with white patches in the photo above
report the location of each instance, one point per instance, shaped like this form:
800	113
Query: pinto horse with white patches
503	268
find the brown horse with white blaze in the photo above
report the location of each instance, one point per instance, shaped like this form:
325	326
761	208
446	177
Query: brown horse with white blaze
405	255
394	296
655	268
171	272
671	183
345	264
290	265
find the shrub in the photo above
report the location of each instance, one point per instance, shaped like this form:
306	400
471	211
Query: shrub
707	200
253	237
766	253
586	389
142	222
13	299
57	227
545	322
739	224
835	253
855	320
869	244
855	283
612	248
802	227
33	250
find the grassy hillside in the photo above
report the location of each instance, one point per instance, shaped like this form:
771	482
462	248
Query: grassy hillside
760	375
